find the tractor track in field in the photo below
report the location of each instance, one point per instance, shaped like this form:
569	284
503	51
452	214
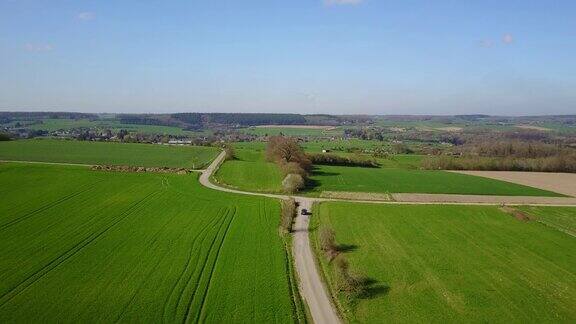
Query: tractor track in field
218	251
311	286
49	205
225	224
39	274
186	268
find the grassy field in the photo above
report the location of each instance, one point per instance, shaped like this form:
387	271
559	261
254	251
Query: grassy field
86	246
342	145
290	131
562	218
397	180
249	171
397	174
112	124
147	155
457	264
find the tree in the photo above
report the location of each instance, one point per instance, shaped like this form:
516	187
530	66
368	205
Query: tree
282	149
292	183
327	238
229	151
4	137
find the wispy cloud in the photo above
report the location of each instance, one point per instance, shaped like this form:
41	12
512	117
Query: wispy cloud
486	43
38	47
86	15
507	39
342	2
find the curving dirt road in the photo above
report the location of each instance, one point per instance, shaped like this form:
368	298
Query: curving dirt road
310	284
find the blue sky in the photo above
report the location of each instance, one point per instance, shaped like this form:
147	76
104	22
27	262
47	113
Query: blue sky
317	56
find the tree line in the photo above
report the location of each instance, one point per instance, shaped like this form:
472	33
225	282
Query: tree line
333	159
507	155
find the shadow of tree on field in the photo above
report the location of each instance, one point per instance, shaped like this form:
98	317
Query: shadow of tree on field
324	173
371	288
343	248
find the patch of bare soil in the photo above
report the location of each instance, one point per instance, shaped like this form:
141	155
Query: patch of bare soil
450	129
126	168
297	126
563	183
538	128
356	195
519	215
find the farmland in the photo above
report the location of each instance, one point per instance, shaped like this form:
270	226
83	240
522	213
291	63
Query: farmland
398	180
85	246
561	218
146	155
397	174
249	171
112	124
293	131
452	264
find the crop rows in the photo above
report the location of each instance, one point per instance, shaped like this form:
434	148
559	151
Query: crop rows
136	247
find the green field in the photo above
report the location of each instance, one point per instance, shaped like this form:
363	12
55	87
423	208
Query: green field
456	264
290	131
397	180
342	145
397	174
147	155
250	172
112	124
86	246
561	218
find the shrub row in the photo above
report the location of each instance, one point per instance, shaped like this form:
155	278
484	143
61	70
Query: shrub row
558	163
288	215
127	168
346	281
333	159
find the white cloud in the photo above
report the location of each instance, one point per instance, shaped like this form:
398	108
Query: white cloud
38	47
486	43
342	2
86	15
507	39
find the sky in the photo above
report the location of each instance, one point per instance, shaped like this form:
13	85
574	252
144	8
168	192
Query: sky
513	57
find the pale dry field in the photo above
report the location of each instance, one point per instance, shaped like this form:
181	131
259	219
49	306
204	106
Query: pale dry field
563	183
450	129
538	128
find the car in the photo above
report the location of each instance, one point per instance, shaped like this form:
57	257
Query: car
304	211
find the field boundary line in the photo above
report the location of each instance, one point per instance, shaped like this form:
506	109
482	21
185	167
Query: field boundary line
49	163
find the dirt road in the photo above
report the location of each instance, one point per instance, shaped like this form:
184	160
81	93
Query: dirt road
311	284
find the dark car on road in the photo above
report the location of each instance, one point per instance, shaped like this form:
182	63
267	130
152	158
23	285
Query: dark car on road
304	211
